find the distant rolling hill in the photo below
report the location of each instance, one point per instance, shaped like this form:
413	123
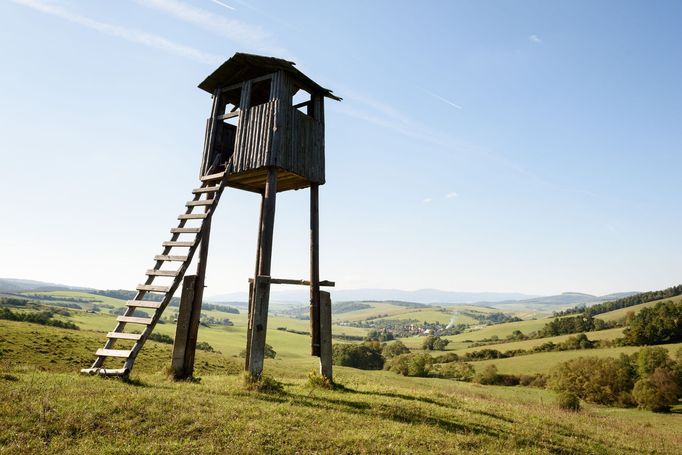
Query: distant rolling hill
425	296
20	285
555	302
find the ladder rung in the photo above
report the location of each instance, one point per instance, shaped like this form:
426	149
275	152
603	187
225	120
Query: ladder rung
192	216
185	230
124	336
112	353
134	320
155	272
178	244
206	189
165	257
197	203
106	371
211	177
152	288
143	304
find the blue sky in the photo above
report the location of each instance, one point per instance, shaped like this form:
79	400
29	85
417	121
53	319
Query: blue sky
480	146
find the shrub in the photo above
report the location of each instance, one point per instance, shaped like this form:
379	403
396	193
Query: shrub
269	352
484	354
41	317
204	346
604	381
533	380
394	349
447	358
160	338
411	364
568	401
359	356
380	335
317	381
648	359
432	343
658	392
459	371
487	376
264	384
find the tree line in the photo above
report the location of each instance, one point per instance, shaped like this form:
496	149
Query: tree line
625	302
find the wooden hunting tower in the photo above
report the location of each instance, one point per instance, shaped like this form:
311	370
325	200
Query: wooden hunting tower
265	134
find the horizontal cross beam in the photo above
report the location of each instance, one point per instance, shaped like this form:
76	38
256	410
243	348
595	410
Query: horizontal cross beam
297	282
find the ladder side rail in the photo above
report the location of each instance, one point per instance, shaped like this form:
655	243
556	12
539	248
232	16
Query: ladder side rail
176	282
120	326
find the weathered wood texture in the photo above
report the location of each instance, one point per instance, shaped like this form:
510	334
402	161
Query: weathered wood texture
297	282
261	293
315	269
277	134
326	335
182	363
259	325
249	323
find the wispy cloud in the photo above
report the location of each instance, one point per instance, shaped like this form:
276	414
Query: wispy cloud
427	200
535	39
368	109
451	195
128	34
225	5
438	97
246	35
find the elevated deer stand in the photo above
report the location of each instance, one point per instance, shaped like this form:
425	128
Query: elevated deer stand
265	135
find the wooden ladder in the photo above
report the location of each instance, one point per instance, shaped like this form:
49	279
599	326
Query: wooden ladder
206	197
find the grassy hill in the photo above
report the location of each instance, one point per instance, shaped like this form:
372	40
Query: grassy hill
542	362
46	407
619	314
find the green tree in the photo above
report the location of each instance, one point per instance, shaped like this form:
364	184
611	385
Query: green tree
655	325
432	343
604	381
411	364
359	356
459	371
648	359
658	392
394	349
487	376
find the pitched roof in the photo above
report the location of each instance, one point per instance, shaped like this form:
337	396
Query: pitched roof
241	67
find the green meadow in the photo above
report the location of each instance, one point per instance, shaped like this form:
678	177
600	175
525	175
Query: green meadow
46	406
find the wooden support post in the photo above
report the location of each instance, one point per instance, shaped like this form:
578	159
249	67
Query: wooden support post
203	259
260	325
249	323
315	269
326	335
261	291
182	363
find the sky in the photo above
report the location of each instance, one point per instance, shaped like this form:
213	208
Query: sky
524	146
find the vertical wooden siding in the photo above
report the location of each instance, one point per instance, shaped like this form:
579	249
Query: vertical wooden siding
276	134
253	147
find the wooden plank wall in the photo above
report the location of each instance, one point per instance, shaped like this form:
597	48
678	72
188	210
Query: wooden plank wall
276	134
253	147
